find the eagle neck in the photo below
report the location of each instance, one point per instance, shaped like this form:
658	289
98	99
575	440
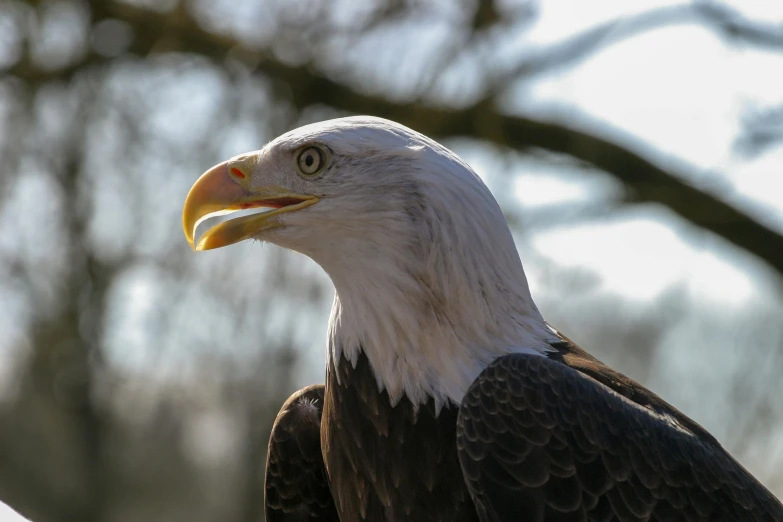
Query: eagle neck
424	340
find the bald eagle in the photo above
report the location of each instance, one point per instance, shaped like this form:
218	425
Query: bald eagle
447	396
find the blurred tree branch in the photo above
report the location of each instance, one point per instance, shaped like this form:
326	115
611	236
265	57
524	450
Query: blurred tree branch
731	24
763	129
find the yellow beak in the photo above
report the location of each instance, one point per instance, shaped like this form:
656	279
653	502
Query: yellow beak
220	191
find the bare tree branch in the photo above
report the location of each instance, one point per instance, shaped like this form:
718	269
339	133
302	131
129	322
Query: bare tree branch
733	25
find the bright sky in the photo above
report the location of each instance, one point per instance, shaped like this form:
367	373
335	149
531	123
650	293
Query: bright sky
684	91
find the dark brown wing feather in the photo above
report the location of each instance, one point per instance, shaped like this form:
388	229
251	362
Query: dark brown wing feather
296	488
540	440
570	354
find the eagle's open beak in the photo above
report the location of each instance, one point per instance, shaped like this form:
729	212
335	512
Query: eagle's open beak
220	191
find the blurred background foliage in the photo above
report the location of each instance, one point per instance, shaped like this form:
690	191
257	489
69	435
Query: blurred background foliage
635	146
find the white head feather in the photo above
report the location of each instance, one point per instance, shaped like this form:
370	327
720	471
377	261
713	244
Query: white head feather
429	282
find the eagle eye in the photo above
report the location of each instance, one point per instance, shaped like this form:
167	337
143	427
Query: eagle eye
310	161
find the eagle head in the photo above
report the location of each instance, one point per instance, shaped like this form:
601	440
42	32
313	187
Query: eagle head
416	245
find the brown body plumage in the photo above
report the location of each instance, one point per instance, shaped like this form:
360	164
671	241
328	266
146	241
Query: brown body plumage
558	438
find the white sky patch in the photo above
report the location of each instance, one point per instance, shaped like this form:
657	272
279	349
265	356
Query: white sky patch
540	190
135	302
562	18
683	91
640	258
140	303
182	123
714	277
763	10
669	86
